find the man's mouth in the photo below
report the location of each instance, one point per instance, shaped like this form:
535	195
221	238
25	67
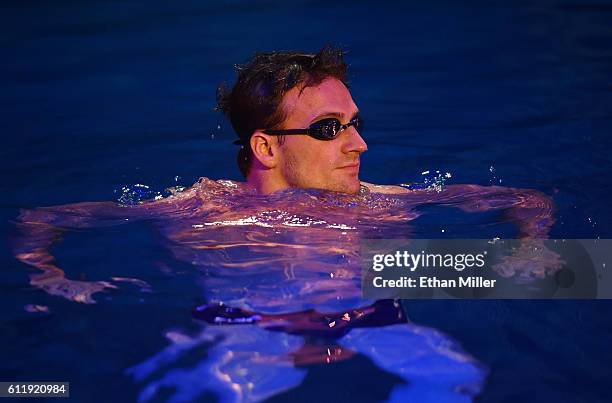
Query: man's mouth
354	165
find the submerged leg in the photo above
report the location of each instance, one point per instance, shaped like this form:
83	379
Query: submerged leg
309	322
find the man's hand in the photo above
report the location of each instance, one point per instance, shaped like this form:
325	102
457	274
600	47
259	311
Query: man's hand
532	260
53	281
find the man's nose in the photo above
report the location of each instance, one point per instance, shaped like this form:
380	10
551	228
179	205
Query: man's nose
354	142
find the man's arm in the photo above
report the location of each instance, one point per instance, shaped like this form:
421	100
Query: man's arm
531	210
38	229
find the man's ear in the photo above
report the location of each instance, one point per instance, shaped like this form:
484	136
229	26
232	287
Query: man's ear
264	148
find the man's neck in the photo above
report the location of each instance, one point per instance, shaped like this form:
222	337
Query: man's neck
265	183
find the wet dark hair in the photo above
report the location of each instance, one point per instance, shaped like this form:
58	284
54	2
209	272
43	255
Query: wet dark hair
254	101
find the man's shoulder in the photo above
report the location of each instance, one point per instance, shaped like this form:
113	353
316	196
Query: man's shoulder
385	189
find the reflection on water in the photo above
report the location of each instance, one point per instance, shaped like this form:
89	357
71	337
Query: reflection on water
246	364
283	273
252	364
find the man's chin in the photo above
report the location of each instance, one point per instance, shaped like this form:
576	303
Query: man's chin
348	187
352	187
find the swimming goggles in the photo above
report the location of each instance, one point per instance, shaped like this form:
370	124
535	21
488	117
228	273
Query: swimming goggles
324	129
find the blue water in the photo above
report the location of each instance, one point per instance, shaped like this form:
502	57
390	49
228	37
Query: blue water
100	95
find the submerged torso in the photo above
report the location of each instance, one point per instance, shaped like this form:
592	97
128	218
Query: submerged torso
293	250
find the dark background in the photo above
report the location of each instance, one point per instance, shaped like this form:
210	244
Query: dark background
98	95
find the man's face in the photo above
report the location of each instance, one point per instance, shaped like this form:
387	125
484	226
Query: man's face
306	162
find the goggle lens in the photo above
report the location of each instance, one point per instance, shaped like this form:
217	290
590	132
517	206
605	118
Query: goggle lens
328	129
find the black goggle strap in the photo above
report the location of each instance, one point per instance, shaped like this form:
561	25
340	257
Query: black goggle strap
241	142
288	131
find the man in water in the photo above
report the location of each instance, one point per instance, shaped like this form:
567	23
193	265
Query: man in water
298	128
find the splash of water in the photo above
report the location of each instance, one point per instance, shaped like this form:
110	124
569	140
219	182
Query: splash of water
429	181
132	195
